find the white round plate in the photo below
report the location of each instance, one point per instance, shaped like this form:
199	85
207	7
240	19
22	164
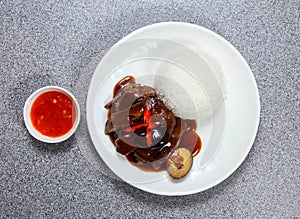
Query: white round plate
238	115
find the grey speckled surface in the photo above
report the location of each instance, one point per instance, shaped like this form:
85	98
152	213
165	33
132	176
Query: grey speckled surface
52	42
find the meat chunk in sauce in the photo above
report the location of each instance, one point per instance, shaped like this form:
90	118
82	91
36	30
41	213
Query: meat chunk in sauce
142	127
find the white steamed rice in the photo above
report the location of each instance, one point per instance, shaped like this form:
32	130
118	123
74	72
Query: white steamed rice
196	95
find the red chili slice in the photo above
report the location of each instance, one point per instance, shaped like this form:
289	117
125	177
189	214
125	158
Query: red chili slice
150	125
147	115
133	128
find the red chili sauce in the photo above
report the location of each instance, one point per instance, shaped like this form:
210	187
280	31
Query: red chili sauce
53	114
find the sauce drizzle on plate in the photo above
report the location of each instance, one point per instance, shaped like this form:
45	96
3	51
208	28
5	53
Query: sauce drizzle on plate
144	130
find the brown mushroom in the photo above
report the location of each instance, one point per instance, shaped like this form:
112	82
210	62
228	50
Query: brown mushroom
179	163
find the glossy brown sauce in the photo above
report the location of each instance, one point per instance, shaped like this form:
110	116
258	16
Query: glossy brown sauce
123	82
143	129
